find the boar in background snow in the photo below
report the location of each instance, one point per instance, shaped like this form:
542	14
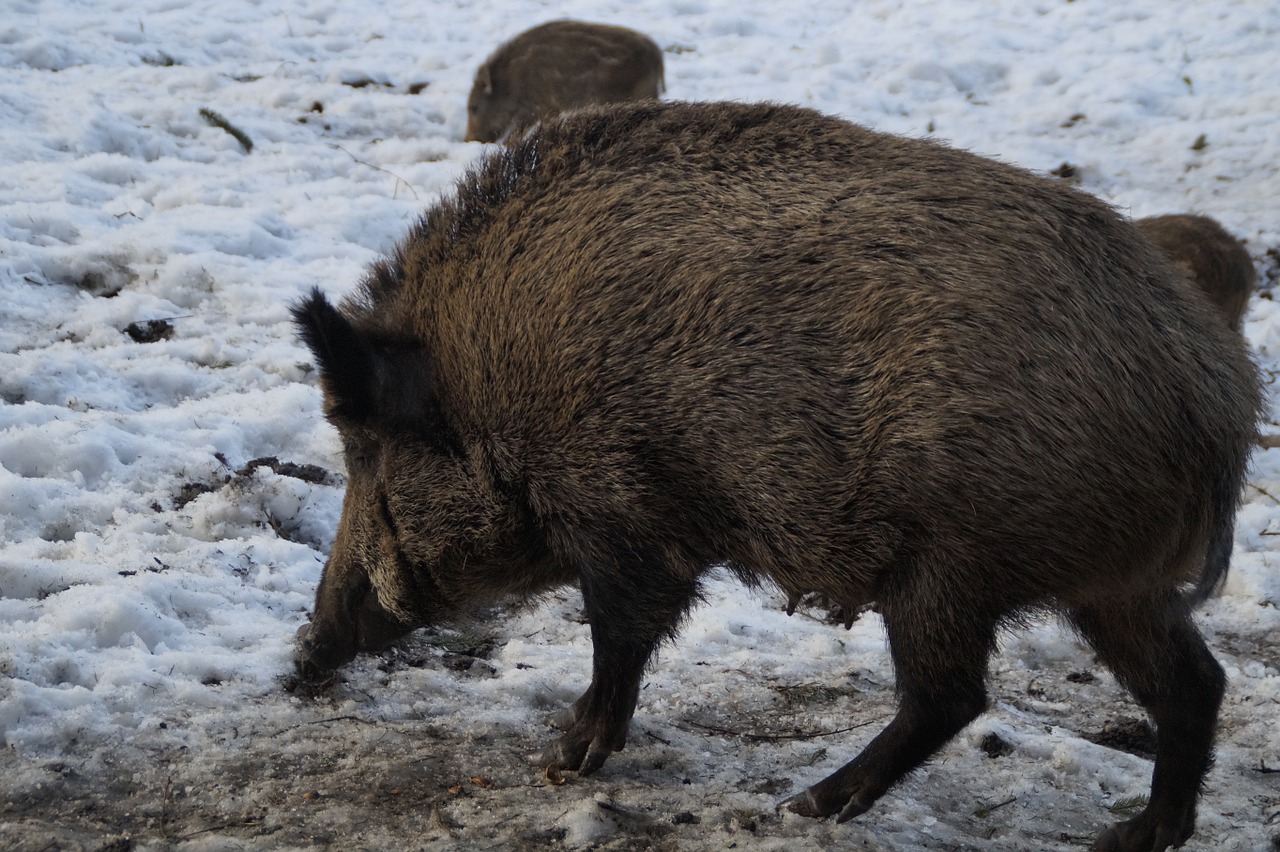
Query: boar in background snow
556	67
1211	259
645	340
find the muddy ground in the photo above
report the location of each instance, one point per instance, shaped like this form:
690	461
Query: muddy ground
347	774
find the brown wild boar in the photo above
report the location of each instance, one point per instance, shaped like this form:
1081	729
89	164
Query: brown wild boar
556	67
1209	256
648	339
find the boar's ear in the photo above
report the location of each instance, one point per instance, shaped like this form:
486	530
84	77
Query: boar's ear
484	79
371	380
345	358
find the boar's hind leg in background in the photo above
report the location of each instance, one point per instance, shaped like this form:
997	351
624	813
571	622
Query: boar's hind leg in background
1180	684
645	340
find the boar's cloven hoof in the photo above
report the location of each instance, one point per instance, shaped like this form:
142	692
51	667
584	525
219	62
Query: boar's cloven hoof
1146	832
807	803
573	753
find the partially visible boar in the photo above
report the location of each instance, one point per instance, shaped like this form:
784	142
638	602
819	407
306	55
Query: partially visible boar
1209	256
649	339
556	67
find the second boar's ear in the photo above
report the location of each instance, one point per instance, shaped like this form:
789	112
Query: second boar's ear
345	358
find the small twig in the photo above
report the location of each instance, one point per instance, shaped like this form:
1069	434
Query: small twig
986	811
323	721
1265	493
800	735
399	180
247	823
1262	764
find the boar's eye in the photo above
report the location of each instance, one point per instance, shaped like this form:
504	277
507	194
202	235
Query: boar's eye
359	461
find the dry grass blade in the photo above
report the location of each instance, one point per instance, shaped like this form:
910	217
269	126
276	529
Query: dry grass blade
216	119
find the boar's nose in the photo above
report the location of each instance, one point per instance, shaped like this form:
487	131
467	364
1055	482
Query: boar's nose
317	655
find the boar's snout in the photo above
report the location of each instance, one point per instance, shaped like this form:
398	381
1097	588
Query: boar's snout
333	639
317	654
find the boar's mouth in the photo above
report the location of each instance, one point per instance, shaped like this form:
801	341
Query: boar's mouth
327	643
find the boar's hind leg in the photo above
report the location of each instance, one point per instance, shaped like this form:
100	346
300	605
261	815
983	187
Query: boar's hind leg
940	644
1156	652
632	605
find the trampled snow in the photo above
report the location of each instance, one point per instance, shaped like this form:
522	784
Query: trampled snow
166	503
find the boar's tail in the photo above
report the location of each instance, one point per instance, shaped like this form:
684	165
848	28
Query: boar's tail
1222	516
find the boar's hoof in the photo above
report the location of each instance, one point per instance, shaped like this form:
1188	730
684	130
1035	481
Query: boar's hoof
802	804
574	752
812	803
1144	833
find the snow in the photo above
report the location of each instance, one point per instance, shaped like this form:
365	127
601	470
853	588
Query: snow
151	579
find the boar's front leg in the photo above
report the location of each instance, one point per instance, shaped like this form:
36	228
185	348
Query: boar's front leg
940	636
632	604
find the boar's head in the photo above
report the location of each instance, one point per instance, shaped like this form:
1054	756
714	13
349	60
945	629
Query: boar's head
494	108
422	524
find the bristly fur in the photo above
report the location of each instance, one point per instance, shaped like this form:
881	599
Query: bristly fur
642	341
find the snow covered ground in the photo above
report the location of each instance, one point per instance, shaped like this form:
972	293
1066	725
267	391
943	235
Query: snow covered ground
167	497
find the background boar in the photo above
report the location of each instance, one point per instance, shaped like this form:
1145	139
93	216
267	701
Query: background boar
559	66
1210	257
649	339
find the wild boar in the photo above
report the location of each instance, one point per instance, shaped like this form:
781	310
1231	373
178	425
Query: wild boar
556	67
648	339
1210	257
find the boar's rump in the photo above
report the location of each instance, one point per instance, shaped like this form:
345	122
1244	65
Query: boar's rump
648	339
556	67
